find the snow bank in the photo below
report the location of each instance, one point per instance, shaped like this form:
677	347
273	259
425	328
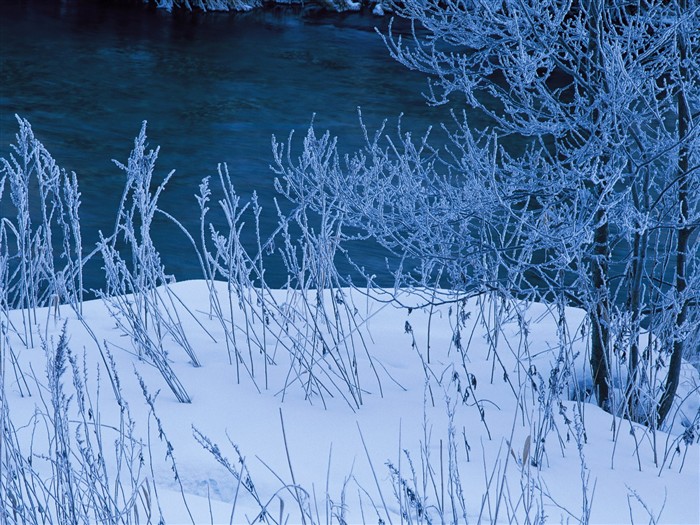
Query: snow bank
373	408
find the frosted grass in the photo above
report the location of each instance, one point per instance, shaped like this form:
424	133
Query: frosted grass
319	402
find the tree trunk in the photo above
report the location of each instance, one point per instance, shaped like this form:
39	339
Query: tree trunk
599	313
684	229
634	305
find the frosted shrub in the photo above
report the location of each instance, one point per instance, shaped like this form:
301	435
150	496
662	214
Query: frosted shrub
599	209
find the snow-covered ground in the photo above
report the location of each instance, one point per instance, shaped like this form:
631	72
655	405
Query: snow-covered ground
350	408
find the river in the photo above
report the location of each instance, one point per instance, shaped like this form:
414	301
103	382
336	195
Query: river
214	87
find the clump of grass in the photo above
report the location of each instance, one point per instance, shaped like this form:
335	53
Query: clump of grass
137	293
41	247
316	323
59	469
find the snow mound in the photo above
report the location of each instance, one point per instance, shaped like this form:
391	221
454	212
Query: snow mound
333	405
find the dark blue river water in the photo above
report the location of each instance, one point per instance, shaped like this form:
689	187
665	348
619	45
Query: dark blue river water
213	87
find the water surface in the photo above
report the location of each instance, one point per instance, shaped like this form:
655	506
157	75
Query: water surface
213	87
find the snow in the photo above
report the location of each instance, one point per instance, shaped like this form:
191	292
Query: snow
422	420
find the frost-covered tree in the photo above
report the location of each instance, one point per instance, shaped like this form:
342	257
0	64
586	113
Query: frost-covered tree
571	175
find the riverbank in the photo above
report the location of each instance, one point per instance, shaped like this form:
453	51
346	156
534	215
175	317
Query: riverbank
376	6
